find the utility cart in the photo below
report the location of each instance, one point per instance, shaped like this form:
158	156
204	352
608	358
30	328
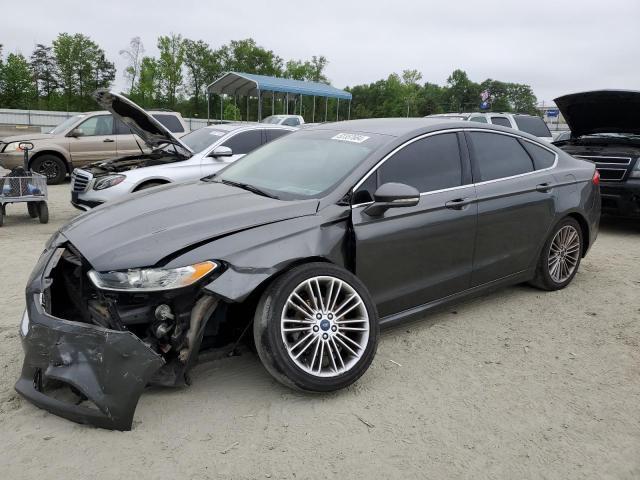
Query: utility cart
24	186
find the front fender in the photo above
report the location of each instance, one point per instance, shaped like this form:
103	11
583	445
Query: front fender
254	256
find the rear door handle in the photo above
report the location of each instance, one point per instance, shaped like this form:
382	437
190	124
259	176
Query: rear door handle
544	187
108	140
458	203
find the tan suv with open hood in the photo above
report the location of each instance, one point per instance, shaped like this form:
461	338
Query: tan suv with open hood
80	140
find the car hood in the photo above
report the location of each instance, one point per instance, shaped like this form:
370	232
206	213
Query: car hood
27	137
132	162
152	225
150	130
601	111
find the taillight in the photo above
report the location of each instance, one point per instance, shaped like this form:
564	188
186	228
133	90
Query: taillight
596	177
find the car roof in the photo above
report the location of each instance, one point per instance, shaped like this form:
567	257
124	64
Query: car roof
230	127
395	127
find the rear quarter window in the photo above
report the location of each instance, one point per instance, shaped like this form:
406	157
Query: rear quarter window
542	158
170	121
533	125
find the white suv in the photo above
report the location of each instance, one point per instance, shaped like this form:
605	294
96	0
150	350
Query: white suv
527	123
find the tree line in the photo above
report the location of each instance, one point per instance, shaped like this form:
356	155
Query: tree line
63	75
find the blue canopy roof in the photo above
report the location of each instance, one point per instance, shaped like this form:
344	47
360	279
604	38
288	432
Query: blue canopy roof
236	83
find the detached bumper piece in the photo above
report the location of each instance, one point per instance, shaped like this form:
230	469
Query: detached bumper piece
107	368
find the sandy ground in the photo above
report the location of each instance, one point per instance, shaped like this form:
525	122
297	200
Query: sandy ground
518	384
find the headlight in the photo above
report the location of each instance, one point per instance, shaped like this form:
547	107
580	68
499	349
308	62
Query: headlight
151	279
24	324
108	181
12	147
635	173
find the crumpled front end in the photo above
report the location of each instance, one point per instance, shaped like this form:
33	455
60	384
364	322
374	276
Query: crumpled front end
89	354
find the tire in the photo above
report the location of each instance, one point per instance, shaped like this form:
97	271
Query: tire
53	167
32	207
556	273
350	343
43	212
144	186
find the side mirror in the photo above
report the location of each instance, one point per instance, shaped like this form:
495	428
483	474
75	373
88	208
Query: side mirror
392	195
75	133
221	151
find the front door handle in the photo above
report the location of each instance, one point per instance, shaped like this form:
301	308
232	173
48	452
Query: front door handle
544	187
457	204
108	140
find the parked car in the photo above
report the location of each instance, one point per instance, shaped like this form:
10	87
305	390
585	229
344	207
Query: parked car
531	124
605	130
80	140
314	241
167	159
286	120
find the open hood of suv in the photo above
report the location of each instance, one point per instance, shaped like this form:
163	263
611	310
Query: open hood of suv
150	130
601	111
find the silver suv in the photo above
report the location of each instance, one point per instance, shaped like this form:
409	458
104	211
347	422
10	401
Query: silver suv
80	140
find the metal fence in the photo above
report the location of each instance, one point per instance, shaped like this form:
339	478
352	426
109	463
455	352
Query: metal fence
46	120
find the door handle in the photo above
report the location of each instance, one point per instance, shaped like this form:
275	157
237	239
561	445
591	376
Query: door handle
544	187
108	140
457	204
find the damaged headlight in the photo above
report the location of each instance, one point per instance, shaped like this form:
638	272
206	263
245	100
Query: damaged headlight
108	181
151	279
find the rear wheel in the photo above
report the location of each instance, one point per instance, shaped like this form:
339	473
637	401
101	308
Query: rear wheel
52	167
43	212
33	209
560	257
316	328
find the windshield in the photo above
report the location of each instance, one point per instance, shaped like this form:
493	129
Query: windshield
66	124
273	119
305	164
202	138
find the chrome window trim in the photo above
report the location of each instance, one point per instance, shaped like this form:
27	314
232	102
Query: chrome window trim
455	130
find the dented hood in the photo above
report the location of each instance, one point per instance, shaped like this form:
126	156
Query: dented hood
601	111
153	224
150	130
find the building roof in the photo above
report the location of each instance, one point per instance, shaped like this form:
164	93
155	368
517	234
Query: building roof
237	83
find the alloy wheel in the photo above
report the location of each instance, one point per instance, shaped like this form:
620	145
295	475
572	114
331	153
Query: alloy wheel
49	168
564	254
325	326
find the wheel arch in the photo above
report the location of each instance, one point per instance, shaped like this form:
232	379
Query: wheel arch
55	153
584	227
147	181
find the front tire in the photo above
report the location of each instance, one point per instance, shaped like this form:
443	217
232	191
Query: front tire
52	167
316	328
560	256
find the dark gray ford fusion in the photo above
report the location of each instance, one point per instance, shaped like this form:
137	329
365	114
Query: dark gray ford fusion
314	241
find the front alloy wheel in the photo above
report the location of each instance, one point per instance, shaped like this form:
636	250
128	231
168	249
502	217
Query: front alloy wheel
316	328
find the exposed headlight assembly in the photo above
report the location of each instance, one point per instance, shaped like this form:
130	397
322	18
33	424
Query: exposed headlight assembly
12	147
24	324
151	279
108	181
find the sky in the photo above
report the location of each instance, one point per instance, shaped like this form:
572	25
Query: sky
557	47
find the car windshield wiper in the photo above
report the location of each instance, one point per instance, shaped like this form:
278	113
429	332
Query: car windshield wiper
246	186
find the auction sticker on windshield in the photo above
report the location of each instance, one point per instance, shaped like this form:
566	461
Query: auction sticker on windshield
350	137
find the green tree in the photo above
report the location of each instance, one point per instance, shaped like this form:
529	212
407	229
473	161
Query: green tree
203	66
410	79
18	86
462	93
45	72
311	71
246	56
170	66
147	91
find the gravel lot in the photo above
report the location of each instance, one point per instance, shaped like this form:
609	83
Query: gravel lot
517	384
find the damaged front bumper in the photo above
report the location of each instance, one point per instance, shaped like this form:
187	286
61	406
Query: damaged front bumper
102	371
107	367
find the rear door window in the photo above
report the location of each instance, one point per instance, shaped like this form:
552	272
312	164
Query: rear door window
272	134
533	125
171	122
498	156
121	128
244	142
291	122
503	121
431	163
542	158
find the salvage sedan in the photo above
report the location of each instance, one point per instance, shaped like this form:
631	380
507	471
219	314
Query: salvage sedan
312	242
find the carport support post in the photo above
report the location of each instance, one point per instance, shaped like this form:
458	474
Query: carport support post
273	103
337	109
259	106
326	107
221	109
208	104
247	107
287	108
313	116
349	111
